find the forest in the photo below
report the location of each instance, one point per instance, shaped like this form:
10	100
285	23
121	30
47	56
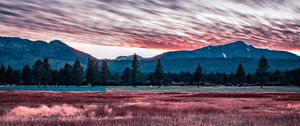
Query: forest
41	74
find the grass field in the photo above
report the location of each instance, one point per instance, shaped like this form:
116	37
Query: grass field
139	106
206	89
153	88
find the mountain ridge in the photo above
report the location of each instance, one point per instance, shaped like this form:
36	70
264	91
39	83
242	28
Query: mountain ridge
235	49
18	52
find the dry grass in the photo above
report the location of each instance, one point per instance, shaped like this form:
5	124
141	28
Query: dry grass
149	108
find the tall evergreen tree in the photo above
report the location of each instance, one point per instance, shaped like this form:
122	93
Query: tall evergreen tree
297	76
231	78
2	74
67	74
239	77
9	75
26	75
92	71
168	79
45	72
276	77
37	72
262	71
135	70
104	72
158	73
17	76
78	76
61	80
249	78
198	75
125	77
55	77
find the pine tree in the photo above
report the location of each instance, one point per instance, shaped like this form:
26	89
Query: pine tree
249	78
45	72
158	73
231	78
125	77
16	76
67	74
277	77
55	77
239	77
78	76
26	75
61	80
2	74
104	72
9	75
198	75
92	72
37	72
135	70
168	79
261	71
297	77
97	72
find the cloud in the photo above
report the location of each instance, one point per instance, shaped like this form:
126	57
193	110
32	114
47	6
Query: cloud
160	24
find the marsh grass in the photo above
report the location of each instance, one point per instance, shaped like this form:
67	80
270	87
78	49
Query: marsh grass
149	108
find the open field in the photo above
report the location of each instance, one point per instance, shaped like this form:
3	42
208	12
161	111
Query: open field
206	88
149	108
154	88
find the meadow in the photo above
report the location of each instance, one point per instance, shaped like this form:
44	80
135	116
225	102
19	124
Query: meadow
125	106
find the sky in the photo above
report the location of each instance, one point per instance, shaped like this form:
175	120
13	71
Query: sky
109	28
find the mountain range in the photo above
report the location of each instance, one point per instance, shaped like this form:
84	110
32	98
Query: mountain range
238	49
18	52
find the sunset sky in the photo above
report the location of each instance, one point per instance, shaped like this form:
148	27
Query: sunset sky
108	28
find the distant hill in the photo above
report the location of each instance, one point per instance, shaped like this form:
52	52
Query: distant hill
238	49
18	52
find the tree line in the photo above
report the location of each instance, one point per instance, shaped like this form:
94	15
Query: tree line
94	74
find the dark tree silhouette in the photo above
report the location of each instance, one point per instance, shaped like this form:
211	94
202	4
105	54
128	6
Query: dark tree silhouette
92	72
2	74
158	74
61	80
9	75
104	72
55	77
198	75
297	77
167	78
276	77
262	71
17	76
135	70
67	74
77	73
26	75
45	72
37	72
249	78
125	77
239	75
231	78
